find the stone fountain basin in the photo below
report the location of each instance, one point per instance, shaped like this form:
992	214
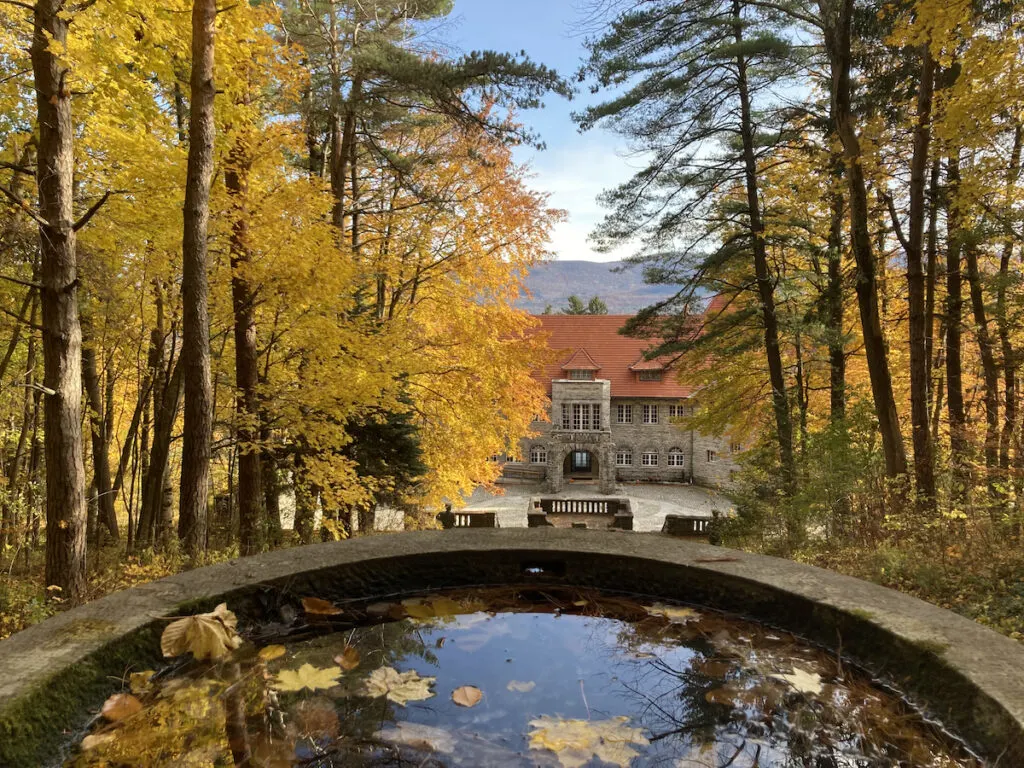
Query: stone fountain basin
54	675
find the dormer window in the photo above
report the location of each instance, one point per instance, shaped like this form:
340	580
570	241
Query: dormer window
578	374
649	375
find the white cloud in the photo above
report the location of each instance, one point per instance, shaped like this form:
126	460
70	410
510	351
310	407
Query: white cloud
574	174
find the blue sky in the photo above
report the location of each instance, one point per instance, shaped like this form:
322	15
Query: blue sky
574	168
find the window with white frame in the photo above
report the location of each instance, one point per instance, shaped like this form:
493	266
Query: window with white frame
650	414
623	458
649	459
577	374
650	375
581	417
676	411
676	458
712	456
624	414
538	455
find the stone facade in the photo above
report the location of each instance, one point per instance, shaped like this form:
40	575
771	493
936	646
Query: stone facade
702	459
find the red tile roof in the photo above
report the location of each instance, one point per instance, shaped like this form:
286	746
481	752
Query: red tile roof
580	361
618	357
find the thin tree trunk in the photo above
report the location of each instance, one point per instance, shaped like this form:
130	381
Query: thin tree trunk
1003	323
305	501
765	283
931	274
12	345
151	515
100	445
958	443
834	313
989	366
195	355
243	299
924	459
838	32
62	335
30	408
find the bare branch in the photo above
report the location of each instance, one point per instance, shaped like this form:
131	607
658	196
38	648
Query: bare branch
92	211
19	281
23	204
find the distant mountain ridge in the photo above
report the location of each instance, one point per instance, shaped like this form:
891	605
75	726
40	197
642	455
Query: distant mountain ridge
624	292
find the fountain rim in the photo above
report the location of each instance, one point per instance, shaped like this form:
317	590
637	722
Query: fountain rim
969	676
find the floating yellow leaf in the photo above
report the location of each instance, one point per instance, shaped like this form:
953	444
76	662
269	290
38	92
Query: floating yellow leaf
467	696
576	742
307	676
432	607
271	652
120	706
348	659
521	687
802	680
674	613
317	607
399	687
205	635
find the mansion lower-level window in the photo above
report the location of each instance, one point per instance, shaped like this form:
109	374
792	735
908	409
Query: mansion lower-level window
624	414
675	458
581	416
649	460
676	411
538	455
624	458
650	414
712	456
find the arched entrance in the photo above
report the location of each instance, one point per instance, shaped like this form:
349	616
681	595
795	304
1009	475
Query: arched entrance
580	465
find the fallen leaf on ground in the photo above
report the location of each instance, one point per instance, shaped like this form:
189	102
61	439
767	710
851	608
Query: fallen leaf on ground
271	652
802	680
674	613
139	681
467	696
94	740
520	686
206	635
399	687
317	607
119	706
576	742
307	676
348	659
418	736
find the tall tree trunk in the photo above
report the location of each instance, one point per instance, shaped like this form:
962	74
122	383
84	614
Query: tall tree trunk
924	459
151	513
931	275
989	366
243	300
195	355
100	444
838	33
1006	436
958	443
30	407
834	313
62	335
765	283
305	501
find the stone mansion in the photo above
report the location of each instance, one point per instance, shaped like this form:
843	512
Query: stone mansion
614	415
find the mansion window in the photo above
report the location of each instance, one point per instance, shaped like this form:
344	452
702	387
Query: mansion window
581	417
735	447
538	455
650	414
581	375
623	458
676	458
624	414
650	375
712	456
649	459
676	411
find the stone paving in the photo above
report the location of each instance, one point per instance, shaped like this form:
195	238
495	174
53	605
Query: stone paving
650	502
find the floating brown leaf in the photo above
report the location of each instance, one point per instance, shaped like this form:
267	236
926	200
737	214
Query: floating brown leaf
205	635
348	659
139	681
317	607
271	652
399	687
467	696
120	706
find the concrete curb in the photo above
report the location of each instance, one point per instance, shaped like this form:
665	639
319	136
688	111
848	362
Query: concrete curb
968	676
